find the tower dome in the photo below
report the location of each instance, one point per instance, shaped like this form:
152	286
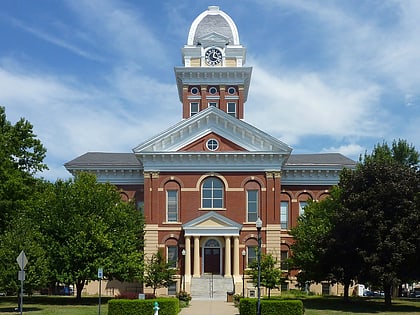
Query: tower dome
216	22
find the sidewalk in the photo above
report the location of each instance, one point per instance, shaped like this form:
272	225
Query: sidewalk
209	307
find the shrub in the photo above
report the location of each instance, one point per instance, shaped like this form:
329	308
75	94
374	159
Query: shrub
168	306
127	296
236	299
248	306
184	297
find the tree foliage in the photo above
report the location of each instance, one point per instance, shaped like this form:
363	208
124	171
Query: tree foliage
368	229
379	200
323	248
87	226
158	273
21	156
271	275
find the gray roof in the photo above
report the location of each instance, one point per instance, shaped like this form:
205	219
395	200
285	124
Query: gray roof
103	160
126	160
318	159
213	23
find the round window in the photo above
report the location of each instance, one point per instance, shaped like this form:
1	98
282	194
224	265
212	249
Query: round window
231	90
212	90
194	90
212	144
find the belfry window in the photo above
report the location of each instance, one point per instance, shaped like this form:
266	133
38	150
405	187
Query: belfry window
212	193
231	109
194	108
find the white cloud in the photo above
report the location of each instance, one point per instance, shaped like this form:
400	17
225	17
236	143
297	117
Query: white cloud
347	150
295	105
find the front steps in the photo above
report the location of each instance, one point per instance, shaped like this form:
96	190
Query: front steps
211	287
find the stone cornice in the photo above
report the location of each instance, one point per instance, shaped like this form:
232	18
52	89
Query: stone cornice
204	161
313	176
212	75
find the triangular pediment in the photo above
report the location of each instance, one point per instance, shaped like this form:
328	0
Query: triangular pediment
212	223
213	120
213	39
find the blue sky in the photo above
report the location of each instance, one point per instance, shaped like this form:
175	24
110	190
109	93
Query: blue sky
97	75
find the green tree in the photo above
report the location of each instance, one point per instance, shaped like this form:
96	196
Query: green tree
271	275
21	156
158	273
379	201
88	226
23	234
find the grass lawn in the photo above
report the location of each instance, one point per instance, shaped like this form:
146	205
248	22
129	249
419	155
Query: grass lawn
54	305
359	306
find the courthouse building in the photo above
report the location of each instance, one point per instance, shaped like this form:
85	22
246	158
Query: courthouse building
203	182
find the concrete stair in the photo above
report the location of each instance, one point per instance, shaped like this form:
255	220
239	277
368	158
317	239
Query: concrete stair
211	287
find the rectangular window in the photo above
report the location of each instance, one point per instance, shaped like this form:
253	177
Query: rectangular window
172	205
284	215
252	254
284	286
284	254
172	289
302	205
213	104
194	108
325	289
252	205
231	109
172	256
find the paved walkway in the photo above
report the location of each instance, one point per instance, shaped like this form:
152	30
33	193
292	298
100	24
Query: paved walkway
209	307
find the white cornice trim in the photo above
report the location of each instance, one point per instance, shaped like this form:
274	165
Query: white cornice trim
213	75
208	161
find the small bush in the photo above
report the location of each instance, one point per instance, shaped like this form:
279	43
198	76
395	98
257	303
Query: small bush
236	299
184	297
127	296
248	306
168	306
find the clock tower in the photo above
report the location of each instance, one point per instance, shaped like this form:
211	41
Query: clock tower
213	73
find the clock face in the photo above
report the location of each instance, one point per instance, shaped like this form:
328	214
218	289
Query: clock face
213	56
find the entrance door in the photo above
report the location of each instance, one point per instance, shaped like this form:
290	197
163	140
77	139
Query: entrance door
212	260
212	257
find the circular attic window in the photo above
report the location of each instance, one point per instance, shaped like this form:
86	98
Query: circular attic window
212	144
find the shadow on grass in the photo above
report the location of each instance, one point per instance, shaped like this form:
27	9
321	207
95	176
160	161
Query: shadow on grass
360	305
53	300
13	310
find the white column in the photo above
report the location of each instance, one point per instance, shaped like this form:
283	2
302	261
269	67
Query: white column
196	256
228	272
188	256
236	256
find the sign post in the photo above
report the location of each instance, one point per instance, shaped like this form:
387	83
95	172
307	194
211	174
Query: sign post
22	261
100	276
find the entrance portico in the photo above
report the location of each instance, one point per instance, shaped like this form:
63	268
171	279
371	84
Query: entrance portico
211	236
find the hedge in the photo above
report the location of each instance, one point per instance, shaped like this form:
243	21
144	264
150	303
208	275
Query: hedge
168	306
248	306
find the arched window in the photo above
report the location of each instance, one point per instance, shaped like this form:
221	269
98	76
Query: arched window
212	193
252	201
172	201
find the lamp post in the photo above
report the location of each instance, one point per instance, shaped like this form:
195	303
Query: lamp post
258	224
183	267
243	272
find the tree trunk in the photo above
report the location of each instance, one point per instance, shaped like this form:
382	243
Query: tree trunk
346	290
79	287
387	291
